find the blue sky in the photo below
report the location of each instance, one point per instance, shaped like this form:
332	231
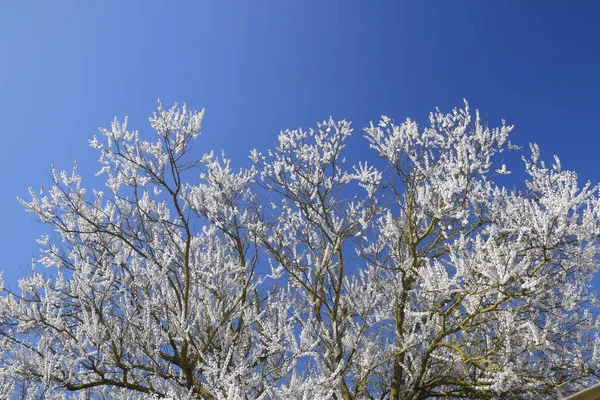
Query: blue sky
69	67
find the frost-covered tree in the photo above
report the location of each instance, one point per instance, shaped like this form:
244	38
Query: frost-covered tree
416	276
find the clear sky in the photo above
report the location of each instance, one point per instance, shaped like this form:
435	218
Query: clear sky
69	67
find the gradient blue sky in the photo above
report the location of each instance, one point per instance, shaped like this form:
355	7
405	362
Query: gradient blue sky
68	67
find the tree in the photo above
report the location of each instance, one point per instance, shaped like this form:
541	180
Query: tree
299	277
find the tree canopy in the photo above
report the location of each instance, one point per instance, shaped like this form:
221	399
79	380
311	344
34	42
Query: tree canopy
300	276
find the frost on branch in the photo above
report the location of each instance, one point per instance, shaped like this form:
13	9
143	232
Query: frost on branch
304	277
